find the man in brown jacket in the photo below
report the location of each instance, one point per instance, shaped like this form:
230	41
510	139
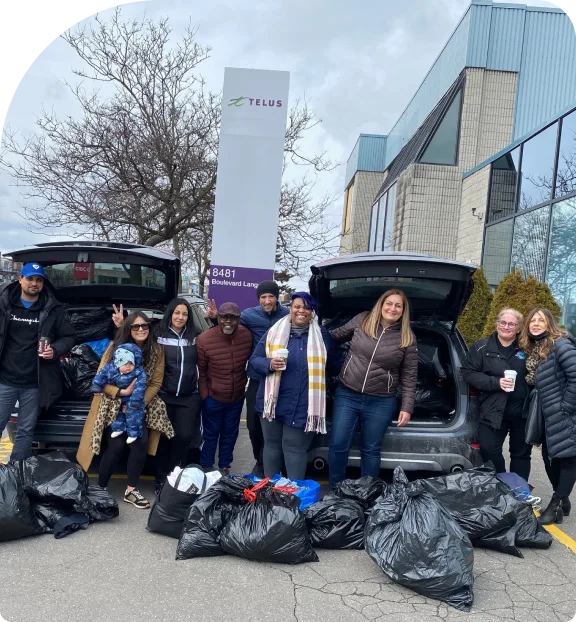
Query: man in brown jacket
223	352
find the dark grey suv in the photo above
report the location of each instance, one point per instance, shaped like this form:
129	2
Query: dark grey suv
442	434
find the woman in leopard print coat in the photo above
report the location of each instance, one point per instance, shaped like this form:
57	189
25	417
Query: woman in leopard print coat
105	407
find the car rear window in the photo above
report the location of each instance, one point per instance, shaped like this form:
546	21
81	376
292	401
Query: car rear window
372	287
82	274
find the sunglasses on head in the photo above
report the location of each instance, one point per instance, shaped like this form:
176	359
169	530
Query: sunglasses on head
143	326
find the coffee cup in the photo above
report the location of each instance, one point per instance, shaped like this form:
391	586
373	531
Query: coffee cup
43	344
511	374
282	353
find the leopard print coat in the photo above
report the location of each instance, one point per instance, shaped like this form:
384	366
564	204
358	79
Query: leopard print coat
156	414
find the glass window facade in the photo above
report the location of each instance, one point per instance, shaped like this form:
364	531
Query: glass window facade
382	222
443	146
531	221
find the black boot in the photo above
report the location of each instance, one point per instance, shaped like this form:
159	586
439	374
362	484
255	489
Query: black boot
553	513
566	506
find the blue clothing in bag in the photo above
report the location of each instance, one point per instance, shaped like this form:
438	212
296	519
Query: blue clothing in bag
519	485
130	418
308	493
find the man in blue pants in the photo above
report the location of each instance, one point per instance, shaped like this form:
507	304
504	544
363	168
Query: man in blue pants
223	352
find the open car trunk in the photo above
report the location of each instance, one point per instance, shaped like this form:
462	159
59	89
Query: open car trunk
437	289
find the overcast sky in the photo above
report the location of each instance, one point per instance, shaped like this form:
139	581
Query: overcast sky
358	64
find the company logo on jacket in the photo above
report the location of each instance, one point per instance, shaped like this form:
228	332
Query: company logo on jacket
27	320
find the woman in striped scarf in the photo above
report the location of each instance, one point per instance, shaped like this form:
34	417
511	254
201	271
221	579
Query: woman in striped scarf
292	398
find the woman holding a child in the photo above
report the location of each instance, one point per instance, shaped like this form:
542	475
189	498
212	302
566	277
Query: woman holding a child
111	402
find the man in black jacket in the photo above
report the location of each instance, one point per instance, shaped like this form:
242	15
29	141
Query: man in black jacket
29	311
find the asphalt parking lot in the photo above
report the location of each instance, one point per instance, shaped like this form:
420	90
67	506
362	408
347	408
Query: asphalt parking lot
119	571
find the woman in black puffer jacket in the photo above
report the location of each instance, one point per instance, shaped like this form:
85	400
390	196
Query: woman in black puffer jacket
551	367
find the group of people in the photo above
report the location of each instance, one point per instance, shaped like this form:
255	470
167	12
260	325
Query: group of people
178	395
543	355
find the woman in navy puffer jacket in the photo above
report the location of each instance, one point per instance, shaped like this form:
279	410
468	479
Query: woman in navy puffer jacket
551	367
285	436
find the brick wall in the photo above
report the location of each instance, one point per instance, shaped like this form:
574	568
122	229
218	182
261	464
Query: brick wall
433	214
366	185
471	225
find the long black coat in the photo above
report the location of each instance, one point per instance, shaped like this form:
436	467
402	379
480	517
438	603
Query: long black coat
556	383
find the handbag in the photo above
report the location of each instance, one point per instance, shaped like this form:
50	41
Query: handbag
534	420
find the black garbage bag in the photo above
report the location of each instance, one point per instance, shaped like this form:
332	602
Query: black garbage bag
475	499
17	518
172	506
529	532
432	400
503	541
419	545
429	363
208	515
53	477
336	523
48	513
92	325
364	491
269	528
98	505
78	370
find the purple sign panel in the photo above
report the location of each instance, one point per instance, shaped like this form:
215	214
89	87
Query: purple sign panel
231	284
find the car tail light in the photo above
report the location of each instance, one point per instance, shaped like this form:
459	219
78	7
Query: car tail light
475	445
473	392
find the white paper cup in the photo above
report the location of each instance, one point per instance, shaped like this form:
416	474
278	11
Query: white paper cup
511	374
282	353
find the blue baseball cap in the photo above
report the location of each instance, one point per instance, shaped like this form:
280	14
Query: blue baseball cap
32	269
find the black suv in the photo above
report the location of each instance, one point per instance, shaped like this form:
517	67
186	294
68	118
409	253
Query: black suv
442	434
89	277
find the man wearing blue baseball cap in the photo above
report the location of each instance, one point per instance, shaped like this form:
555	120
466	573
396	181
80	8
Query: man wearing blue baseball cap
34	334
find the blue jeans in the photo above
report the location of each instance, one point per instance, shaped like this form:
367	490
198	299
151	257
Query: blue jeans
374	414
220	427
28	409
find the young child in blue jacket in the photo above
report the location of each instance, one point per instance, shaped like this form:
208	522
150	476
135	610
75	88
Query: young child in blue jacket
121	371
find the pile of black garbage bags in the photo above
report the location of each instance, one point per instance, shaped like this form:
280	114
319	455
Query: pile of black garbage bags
49	494
420	533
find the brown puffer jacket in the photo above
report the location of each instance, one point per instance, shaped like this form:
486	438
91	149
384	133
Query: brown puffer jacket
378	366
222	363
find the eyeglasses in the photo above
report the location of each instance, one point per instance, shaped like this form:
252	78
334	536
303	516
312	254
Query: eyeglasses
507	324
136	327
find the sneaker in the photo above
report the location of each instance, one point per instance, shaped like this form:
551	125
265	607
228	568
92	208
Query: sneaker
136	499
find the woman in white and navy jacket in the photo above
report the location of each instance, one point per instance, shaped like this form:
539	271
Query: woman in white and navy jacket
177	335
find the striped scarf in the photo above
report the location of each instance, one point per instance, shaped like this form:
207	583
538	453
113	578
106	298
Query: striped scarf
277	338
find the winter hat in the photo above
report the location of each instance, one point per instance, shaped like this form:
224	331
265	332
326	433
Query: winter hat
268	287
123	356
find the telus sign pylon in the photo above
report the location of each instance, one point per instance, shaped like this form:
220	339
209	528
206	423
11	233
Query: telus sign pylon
250	157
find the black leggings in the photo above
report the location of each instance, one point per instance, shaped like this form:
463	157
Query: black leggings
492	441
561	472
185	419
116	449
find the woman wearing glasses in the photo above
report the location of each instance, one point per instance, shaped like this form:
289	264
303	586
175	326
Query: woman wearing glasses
503	401
135	329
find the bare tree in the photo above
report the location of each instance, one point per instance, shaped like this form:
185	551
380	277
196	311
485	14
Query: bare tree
139	161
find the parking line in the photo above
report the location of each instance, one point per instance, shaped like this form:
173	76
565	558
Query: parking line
562	537
5	450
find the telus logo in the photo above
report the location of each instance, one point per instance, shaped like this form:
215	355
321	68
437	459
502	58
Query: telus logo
253	101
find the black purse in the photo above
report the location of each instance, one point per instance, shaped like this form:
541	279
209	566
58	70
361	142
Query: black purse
534	420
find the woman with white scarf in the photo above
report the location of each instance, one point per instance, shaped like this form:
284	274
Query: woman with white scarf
292	398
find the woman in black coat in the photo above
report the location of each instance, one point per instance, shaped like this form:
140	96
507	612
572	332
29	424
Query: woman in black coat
503	403
551	367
